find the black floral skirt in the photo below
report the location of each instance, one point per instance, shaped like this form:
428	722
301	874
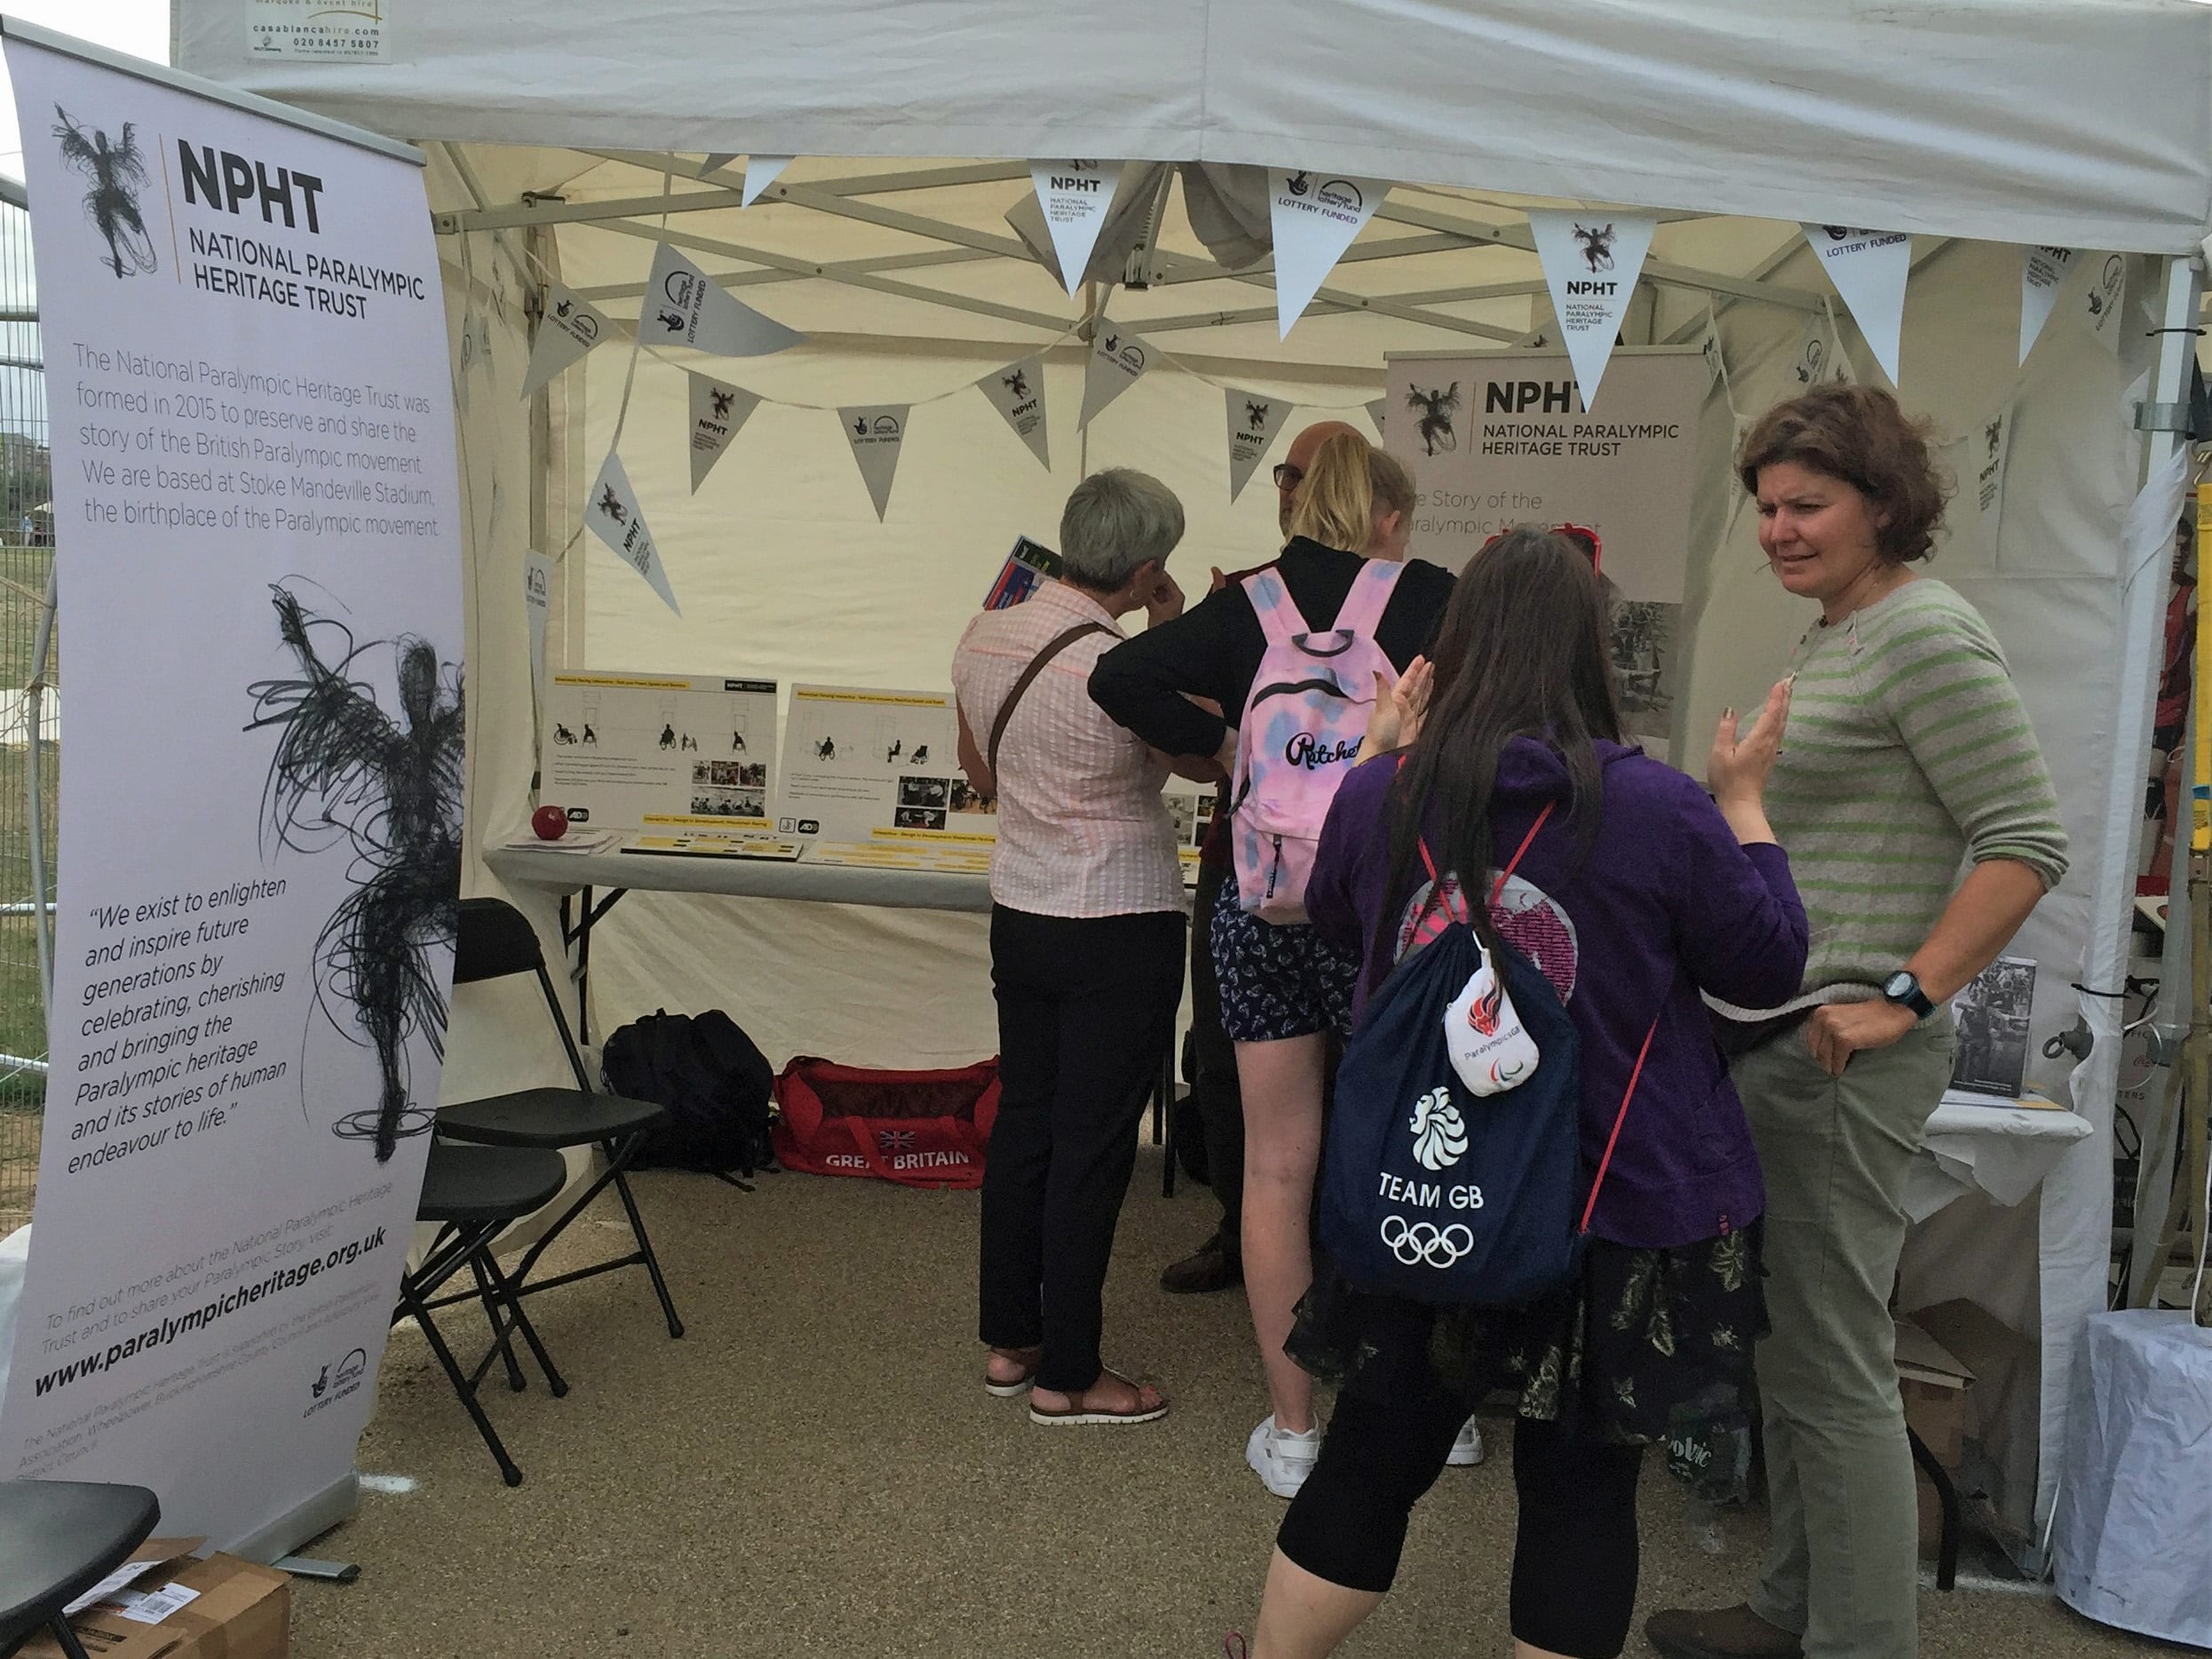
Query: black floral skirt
1643	1346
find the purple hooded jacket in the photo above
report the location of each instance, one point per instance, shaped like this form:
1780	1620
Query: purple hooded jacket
1664	905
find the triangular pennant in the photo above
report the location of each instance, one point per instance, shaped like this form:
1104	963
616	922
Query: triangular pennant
1017	392
2102	297
760	172
2043	272
1839	371
569	327
1869	269
1117	358
1709	351
1819	357
1254	421
876	433
1379	408
1076	197
613	515
1592	261
683	307
1988	446
1315	218
718	409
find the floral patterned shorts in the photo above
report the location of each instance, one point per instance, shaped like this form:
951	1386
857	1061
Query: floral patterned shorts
1278	981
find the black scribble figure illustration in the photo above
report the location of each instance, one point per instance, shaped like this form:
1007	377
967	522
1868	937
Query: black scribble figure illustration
826	749
1596	246
562	734
346	771
611	505
737	742
668	737
921	754
1436	408
1297	184
590	737
1017	383
897	747
118	173
1992	435
722	401
1256	415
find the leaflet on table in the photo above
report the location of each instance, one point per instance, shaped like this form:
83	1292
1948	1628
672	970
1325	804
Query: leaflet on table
714	846
923	850
866	764
633	750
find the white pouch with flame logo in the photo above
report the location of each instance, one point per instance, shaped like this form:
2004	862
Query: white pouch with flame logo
1491	1050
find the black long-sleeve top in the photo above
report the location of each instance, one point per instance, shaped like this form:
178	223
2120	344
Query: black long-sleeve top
1213	650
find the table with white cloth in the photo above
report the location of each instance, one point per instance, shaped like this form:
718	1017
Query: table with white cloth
589	884
1988	1143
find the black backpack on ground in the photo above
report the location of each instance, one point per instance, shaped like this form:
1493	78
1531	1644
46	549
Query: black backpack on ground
713	1081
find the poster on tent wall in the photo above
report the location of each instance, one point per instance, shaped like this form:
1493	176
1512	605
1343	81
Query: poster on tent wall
259	535
1496	438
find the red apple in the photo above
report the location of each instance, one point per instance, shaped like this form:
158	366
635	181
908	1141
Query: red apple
551	823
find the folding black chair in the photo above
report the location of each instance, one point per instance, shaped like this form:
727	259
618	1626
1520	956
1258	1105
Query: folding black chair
473	1193
59	1538
496	942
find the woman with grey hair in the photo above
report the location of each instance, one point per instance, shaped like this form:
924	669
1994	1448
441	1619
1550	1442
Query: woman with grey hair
1086	944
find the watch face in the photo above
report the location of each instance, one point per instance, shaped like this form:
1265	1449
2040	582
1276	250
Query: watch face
1899	984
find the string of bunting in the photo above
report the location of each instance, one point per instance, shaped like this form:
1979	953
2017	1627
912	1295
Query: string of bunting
1591	264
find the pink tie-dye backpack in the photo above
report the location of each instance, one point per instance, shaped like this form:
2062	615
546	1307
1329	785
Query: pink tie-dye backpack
1301	733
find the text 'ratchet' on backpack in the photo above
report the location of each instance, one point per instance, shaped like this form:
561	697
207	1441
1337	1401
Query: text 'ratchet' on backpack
1301	733
713	1081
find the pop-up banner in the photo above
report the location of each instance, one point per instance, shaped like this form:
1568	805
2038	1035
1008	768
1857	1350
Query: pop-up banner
258	524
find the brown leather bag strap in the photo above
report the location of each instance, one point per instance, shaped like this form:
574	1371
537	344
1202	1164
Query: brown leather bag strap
1052	648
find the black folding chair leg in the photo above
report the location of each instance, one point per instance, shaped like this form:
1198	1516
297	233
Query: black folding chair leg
644	1248
502	1329
520	1321
1953	1517
66	1638
412	1303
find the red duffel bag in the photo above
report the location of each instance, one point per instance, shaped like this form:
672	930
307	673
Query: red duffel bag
917	1128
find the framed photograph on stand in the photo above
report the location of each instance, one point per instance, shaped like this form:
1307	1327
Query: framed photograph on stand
1992	1015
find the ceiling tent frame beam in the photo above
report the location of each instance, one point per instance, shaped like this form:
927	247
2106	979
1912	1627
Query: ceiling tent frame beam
834	270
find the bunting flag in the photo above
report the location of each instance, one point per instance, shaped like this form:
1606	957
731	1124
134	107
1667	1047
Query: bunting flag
1254	420
718	409
1076	197
1590	262
2043	272
1869	269
1118	360
1708	349
1988	445
537	599
760	172
717	162
613	515
1315	217
568	329
1379	408
876	432
2103	296
683	307
1017	392
1819	358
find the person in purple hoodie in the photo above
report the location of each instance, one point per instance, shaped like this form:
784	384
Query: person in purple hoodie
1638	893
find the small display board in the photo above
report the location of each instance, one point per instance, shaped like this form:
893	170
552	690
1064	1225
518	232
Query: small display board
1992	1015
863	765
658	751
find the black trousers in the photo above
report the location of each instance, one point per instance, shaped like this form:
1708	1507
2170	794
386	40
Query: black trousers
1086	1011
1214	1089
1575	1550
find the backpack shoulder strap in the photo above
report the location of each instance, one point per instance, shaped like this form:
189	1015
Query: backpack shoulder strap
1052	648
1361	612
1278	613
1618	1118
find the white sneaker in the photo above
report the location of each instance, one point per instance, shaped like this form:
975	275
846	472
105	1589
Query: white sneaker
1466	1449
1280	1458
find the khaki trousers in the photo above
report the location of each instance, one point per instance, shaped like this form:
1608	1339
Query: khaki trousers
1842	1568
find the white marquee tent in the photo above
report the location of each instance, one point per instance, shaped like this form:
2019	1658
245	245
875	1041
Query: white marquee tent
567	139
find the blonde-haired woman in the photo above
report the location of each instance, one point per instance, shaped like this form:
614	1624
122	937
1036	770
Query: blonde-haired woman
1283	989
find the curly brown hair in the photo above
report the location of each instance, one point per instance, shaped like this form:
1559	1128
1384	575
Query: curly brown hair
1859	435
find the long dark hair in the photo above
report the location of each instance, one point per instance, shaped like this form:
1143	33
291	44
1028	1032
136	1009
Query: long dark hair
1521	653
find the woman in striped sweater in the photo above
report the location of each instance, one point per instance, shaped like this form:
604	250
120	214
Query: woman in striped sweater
1908	755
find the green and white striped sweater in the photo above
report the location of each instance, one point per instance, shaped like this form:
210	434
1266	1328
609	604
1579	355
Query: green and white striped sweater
1908	751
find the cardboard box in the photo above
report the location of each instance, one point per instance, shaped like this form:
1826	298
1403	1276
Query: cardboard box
1934	1381
241	1612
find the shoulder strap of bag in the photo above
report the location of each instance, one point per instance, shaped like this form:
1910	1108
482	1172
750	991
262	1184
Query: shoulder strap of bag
1277	613
1052	648
1618	1118
1497	888
1361	612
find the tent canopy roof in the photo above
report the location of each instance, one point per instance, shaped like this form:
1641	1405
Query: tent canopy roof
2082	123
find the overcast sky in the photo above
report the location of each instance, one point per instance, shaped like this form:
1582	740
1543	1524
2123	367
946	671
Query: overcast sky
137	26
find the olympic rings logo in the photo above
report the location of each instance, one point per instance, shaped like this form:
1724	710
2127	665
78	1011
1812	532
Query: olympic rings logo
1418	1241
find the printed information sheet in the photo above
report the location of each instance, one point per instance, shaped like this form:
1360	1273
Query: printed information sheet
624	751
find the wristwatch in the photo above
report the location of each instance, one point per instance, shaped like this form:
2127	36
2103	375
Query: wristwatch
1903	988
